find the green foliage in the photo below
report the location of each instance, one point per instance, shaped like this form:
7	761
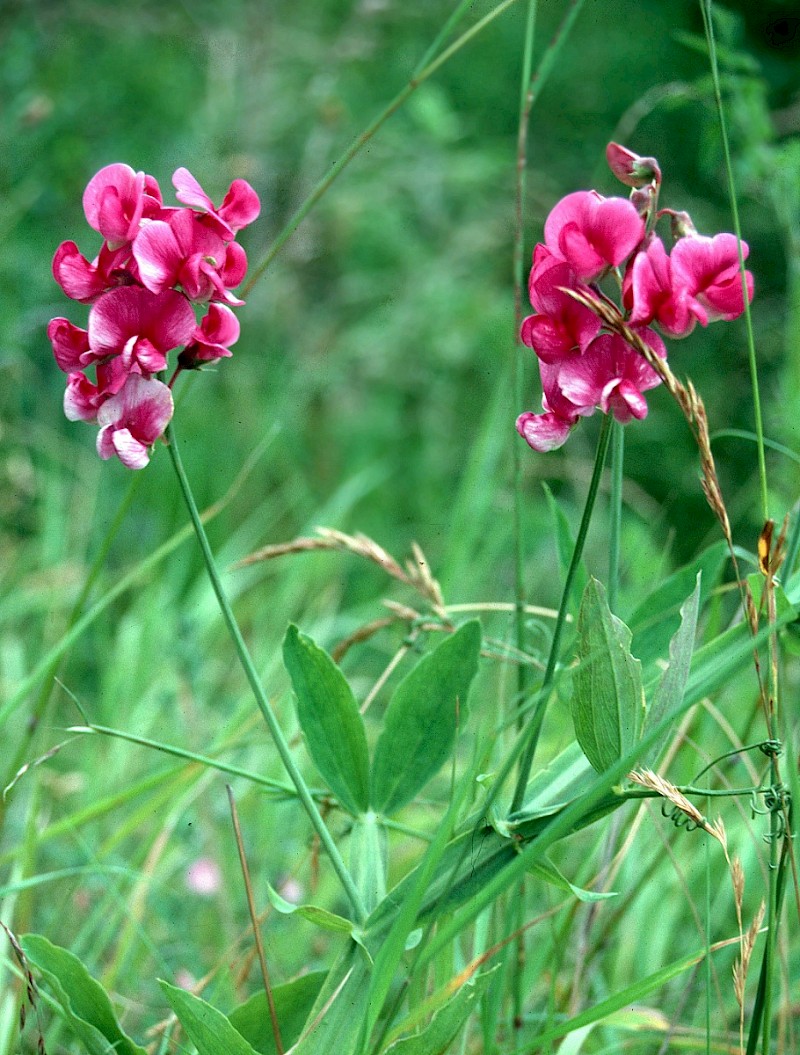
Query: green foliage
608	699
83	1000
208	1029
424	715
293	1002
330	720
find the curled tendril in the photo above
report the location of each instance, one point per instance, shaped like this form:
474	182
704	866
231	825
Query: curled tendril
776	801
679	818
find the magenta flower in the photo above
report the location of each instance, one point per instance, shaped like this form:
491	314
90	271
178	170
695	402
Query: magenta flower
707	269
211	340
544	432
140	327
240	207
612	376
70	343
116	200
83	281
183	251
132	420
593	233
563	327
651	295
630	168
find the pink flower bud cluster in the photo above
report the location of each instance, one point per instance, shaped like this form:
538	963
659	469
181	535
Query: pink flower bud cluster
157	264
584	367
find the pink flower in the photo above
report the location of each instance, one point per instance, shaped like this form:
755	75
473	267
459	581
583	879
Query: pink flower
630	169
651	295
544	432
211	340
69	344
612	376
240	207
132	420
184	251
564	327
82	398
83	281
203	876
139	326
593	233
707	270
116	199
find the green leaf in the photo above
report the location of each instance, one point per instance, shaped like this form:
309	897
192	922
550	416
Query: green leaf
546	870
560	782
208	1029
422	719
446	1024
330	720
669	695
320	917
293	1001
608	701
368	858
657	618
335	1021
86	1004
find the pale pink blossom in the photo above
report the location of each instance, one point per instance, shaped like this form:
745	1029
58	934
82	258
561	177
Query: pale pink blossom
116	200
239	208
593	233
203	877
132	420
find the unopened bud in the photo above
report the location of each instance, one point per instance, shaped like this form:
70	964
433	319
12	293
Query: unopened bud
632	170
680	222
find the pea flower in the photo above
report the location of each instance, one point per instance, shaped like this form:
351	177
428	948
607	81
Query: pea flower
584	364
155	266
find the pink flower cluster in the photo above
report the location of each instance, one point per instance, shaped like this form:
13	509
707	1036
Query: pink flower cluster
584	366
155	265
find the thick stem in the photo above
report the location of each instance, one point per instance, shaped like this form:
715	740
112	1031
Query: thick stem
535	724
303	792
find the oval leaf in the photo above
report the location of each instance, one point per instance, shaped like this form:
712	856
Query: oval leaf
85	1002
208	1029
422	719
293	1001
608	700
330	720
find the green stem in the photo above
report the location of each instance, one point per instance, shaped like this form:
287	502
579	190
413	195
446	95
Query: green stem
303	791
537	718
705	8
615	519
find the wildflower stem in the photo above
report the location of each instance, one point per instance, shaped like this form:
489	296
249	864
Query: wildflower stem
535	725
303	792
615	518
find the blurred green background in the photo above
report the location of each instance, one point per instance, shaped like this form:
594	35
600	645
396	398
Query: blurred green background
374	362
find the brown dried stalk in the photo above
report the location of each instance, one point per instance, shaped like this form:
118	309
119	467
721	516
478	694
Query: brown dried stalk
416	573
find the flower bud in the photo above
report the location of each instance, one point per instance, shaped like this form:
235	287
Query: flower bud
632	170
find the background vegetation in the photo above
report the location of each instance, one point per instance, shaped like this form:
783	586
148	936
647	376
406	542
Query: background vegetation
370	391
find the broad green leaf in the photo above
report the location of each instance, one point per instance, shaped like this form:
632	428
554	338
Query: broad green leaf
657	618
330	720
669	695
293	1001
561	781
446	1024
368	858
85	1002
208	1029
608	701
422	719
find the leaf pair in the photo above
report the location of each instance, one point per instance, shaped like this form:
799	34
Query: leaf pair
420	725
